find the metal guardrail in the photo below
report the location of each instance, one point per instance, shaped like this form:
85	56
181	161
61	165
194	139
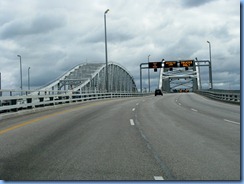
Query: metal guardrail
13	102
232	96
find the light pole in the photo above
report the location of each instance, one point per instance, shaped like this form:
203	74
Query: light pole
21	87
148	74
210	67
29	78
106	51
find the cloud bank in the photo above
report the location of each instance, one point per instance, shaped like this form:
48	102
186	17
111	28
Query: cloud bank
53	36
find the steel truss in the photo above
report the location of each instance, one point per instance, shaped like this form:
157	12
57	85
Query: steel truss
90	78
178	79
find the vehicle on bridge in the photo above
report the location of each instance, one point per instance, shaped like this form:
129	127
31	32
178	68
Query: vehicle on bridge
158	92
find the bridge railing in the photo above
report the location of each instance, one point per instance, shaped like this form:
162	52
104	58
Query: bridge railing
232	96
15	100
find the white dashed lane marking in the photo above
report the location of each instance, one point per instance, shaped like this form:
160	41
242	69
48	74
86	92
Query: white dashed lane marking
132	122
158	178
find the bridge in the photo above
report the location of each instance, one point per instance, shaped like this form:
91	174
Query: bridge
73	129
90	77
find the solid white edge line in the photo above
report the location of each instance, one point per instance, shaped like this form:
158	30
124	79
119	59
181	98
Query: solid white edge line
158	178
231	121
132	122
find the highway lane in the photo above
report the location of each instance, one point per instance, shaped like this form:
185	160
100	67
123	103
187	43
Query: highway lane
195	144
125	139
91	142
211	107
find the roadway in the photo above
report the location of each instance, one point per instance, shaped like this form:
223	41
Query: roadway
170	137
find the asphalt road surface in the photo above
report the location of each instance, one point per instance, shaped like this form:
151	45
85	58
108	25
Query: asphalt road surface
170	137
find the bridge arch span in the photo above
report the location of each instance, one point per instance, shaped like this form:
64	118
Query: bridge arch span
90	77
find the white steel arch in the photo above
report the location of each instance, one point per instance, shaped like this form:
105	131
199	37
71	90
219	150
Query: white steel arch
90	77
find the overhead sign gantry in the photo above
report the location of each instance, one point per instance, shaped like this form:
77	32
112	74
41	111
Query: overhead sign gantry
179	75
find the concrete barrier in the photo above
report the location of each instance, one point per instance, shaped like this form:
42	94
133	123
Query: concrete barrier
231	96
32	100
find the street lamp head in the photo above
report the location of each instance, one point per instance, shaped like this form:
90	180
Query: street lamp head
19	55
106	11
208	41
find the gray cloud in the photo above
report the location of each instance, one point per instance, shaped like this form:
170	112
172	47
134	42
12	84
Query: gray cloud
194	3
53	36
40	24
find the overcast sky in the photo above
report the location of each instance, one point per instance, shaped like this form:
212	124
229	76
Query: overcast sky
52	36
